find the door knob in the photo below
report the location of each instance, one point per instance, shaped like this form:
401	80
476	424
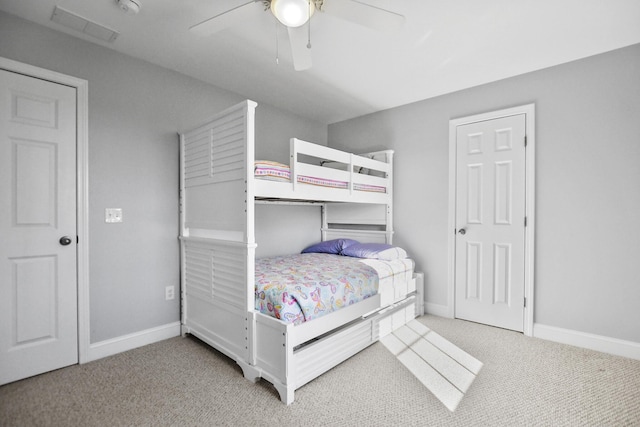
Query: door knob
462	231
65	240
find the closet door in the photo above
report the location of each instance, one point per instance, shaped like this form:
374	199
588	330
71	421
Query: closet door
490	222
38	273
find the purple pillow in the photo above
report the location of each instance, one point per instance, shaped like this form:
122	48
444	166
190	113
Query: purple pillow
335	246
375	251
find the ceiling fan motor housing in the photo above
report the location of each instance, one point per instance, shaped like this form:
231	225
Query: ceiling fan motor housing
292	13
131	7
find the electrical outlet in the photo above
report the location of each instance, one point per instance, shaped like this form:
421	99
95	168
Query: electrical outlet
169	293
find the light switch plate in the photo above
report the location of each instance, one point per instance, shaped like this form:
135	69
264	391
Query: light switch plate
112	215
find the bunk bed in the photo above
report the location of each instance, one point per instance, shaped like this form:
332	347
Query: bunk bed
220	185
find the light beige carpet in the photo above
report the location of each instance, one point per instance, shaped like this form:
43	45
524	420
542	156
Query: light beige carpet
181	381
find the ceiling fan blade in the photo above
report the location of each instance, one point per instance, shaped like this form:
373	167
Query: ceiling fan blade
364	14
298	38
223	20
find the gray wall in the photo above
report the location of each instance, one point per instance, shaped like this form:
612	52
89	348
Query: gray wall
135	112
587	185
284	230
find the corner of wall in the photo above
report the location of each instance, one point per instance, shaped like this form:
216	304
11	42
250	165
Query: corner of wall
440	310
129	342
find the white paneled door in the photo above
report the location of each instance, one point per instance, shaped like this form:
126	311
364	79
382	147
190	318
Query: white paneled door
490	222
38	275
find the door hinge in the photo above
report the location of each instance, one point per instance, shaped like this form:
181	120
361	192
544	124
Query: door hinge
525	140
525	302
525	221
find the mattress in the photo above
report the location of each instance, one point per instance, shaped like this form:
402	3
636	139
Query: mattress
394	278
302	287
274	171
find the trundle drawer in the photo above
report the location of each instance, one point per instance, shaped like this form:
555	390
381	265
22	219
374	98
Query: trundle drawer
318	357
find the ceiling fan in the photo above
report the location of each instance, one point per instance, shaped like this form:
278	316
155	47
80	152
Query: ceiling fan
294	14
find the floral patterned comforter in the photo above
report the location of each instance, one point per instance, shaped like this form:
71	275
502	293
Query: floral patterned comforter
298	288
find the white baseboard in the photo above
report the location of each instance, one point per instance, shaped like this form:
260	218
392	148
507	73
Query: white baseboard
129	342
437	309
614	346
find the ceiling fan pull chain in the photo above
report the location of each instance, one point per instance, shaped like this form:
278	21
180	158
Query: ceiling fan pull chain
277	44
309	26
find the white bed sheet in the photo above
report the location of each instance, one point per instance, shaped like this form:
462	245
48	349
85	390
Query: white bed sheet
395	278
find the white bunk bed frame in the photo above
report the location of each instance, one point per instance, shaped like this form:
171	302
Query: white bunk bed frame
218	196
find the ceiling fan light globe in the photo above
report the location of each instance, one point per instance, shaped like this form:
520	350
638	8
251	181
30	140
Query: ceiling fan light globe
292	13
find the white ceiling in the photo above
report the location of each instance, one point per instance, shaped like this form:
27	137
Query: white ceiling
445	46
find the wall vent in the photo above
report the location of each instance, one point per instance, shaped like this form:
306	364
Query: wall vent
78	23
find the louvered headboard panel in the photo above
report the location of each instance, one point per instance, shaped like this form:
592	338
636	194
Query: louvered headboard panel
215	273
216	295
216	160
216	152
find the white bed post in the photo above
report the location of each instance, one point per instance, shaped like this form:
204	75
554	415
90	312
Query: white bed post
324	225
389	225
293	159
250	239
350	173
183	233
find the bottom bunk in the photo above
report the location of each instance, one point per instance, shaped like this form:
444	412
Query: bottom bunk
287	354
289	366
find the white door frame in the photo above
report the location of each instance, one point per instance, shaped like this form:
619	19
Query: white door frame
82	188
529	112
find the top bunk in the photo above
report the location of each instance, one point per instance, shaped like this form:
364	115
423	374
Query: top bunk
320	173
222	150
